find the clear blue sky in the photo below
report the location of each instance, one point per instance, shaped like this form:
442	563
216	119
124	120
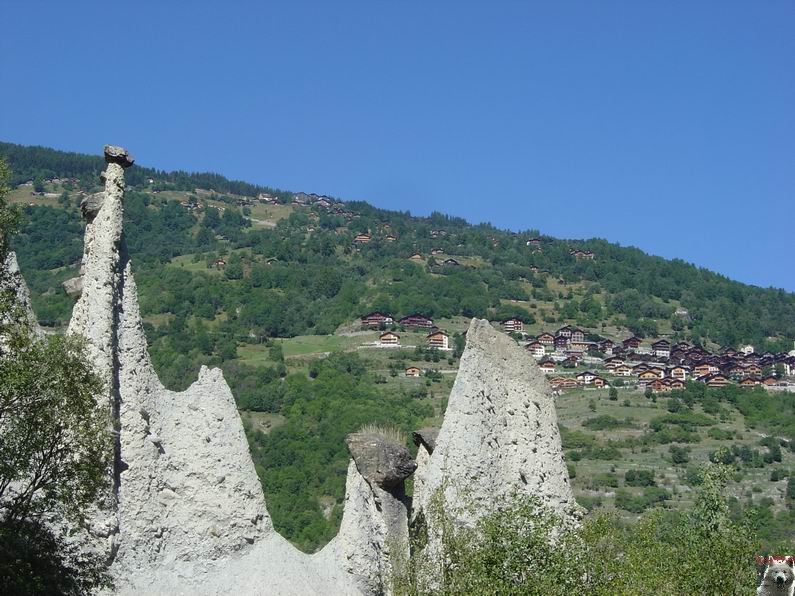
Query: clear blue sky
665	125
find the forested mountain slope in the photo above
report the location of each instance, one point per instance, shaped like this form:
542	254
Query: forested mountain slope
267	284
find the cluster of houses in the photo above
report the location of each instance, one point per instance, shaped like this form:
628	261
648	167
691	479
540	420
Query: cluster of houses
435	338
660	365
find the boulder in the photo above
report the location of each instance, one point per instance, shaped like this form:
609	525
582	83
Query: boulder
119	155
380	460
73	286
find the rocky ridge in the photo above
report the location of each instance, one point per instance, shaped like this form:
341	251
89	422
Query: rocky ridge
186	512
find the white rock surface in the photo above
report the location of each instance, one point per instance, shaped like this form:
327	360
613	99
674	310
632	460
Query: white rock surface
499	435
187	514
11	280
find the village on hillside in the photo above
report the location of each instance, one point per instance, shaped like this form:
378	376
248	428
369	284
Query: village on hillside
656	364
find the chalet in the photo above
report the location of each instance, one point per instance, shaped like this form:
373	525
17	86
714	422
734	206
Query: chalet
677	355
563	382
577	335
547	367
437	251
564	331
438	233
416	321
676	383
606	346
716	380
658	371
416	257
770	380
582	254
412	371
679	372
536	349
648	376
547	339
376	319
747	349
581	346
569	362
631	343
389	339
753	369
534	242
612	363
586	377
658	386
682	313
361	238
439	340
730	352
451	263
514	324
661	348
561	342
737	371
622	370
390	238
271	261
599	382
576	354
219	263
639	368
749	382
704	369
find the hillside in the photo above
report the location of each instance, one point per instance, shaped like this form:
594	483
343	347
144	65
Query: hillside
271	285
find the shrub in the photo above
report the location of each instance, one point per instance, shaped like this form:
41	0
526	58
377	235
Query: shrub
639	478
679	455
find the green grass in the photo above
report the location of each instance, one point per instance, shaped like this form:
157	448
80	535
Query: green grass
263	421
573	409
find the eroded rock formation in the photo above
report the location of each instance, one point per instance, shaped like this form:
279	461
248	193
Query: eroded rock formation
499	435
186	513
11	281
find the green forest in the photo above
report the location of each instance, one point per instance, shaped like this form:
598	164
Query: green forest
291	271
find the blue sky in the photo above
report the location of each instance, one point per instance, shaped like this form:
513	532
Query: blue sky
665	125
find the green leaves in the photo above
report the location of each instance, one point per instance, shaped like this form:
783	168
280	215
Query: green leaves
55	445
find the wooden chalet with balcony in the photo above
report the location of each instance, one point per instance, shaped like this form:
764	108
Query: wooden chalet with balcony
661	348
389	339
631	343
416	321
375	319
547	367
438	340
547	339
513	325
536	349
